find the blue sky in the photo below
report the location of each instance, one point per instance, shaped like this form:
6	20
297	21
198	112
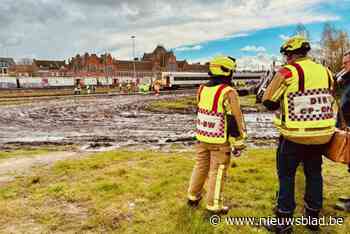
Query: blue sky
266	41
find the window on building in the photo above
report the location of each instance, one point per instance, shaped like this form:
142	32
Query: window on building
92	68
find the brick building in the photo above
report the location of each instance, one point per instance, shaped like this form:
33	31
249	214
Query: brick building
161	59
136	68
149	65
23	70
48	68
91	65
164	60
184	66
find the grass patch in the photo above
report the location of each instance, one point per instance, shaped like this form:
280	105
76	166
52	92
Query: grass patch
23	153
178	104
190	103
138	192
45	92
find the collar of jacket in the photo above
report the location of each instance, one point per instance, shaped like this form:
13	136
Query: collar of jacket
219	80
301	59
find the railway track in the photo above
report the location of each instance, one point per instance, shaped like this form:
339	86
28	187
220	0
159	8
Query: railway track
106	94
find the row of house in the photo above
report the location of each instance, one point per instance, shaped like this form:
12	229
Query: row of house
104	65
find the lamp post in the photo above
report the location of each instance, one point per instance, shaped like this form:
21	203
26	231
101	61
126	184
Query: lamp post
133	55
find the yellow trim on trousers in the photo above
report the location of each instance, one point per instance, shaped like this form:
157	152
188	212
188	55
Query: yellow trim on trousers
218	185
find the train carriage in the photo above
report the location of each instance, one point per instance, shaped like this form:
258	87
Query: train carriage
105	81
173	80
61	82
33	82
8	83
90	81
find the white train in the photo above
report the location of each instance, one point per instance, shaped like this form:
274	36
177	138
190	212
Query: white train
183	79
8	83
175	80
169	80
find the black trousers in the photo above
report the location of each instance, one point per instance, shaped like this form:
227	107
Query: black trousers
289	156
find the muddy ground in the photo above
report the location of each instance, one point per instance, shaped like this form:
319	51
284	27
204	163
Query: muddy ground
81	125
105	122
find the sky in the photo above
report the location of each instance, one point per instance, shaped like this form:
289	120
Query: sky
196	30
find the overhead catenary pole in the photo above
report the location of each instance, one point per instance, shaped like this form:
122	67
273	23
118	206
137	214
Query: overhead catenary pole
133	56
105	63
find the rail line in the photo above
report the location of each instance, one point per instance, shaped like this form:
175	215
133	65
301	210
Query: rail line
111	94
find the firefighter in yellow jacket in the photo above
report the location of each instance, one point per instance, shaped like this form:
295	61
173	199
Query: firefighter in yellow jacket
220	130
301	90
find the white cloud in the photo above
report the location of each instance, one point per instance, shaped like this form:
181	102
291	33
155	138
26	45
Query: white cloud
207	25
235	36
188	48
284	37
252	48
202	60
262	61
252	63
59	29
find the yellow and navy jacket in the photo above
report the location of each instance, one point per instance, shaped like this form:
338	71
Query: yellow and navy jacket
302	91
219	118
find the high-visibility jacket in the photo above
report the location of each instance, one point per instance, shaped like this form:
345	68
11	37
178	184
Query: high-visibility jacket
211	118
307	102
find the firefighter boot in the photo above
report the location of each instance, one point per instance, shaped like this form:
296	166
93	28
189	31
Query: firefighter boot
344	199
193	203
223	211
345	206
283	225
210	213
313	217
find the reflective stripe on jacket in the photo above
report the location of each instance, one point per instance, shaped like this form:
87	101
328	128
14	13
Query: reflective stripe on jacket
306	104
211	118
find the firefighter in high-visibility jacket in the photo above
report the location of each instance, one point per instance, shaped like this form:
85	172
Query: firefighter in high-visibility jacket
156	86
220	131
301	92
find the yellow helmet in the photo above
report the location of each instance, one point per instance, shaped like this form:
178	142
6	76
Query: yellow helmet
294	44
222	66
